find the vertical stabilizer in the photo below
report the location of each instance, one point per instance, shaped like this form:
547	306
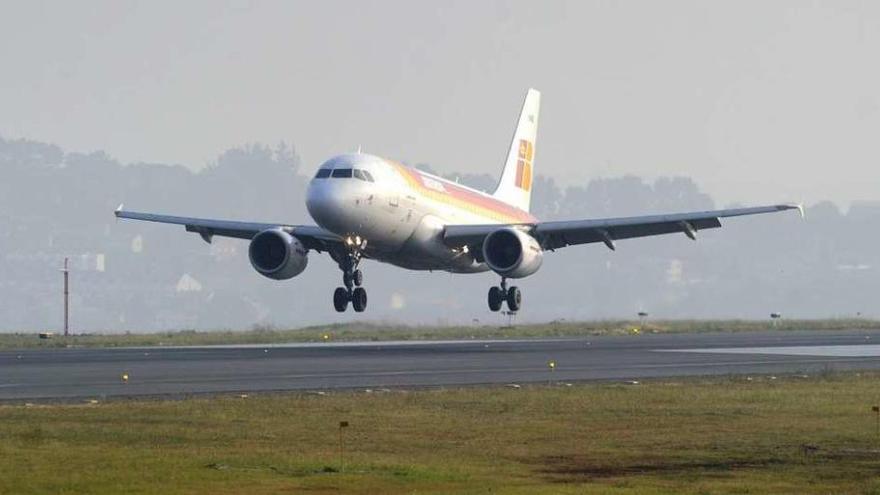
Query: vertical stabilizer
515	186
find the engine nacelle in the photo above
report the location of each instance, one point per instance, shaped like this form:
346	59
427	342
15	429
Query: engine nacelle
512	253
277	255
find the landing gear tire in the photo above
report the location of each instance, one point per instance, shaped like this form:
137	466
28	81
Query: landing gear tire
352	278
359	299
340	299
496	298
514	298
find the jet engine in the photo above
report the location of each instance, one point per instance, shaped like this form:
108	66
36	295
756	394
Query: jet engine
512	253
277	255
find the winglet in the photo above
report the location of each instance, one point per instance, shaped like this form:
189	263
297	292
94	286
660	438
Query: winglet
118	209
794	206
791	206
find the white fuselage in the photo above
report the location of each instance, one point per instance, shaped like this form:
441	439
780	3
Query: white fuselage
401	212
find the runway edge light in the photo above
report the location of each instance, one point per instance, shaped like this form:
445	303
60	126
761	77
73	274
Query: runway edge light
876	410
342	426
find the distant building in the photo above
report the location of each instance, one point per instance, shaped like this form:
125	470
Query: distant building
137	244
188	284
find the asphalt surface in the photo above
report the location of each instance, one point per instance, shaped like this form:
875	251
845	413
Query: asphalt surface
96	373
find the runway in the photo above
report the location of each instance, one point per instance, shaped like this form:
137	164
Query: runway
96	373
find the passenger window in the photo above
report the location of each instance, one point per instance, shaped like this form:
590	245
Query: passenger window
323	173
342	173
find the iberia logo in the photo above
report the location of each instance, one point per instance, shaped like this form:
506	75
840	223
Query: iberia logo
524	165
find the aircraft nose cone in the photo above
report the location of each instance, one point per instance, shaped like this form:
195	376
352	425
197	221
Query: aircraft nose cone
326	204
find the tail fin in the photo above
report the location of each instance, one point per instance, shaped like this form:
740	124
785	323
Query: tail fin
515	186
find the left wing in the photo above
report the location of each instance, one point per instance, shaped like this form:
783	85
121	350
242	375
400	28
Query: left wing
311	236
554	235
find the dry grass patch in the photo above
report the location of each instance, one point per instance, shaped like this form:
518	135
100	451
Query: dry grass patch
350	332
787	435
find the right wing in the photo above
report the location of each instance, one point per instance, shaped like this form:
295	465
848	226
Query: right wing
311	236
554	235
566	233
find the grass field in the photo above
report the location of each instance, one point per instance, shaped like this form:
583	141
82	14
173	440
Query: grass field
785	435
377	332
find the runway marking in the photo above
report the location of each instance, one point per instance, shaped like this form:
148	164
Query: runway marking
378	343
818	350
568	368
474	371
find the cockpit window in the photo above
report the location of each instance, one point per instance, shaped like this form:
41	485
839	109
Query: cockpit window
363	175
344	173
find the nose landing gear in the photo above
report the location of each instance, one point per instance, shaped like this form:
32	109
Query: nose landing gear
499	295
352	278
355	278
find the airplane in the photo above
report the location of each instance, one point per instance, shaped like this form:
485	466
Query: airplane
368	207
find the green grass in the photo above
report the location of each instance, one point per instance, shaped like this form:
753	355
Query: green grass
730	435
378	332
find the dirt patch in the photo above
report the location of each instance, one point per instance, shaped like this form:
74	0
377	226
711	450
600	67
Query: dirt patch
853	454
569	468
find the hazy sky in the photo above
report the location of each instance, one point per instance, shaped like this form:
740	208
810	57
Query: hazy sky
758	101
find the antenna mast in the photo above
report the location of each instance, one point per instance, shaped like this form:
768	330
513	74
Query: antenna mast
66	272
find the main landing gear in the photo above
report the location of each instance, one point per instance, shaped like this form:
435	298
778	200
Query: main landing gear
502	294
352	278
